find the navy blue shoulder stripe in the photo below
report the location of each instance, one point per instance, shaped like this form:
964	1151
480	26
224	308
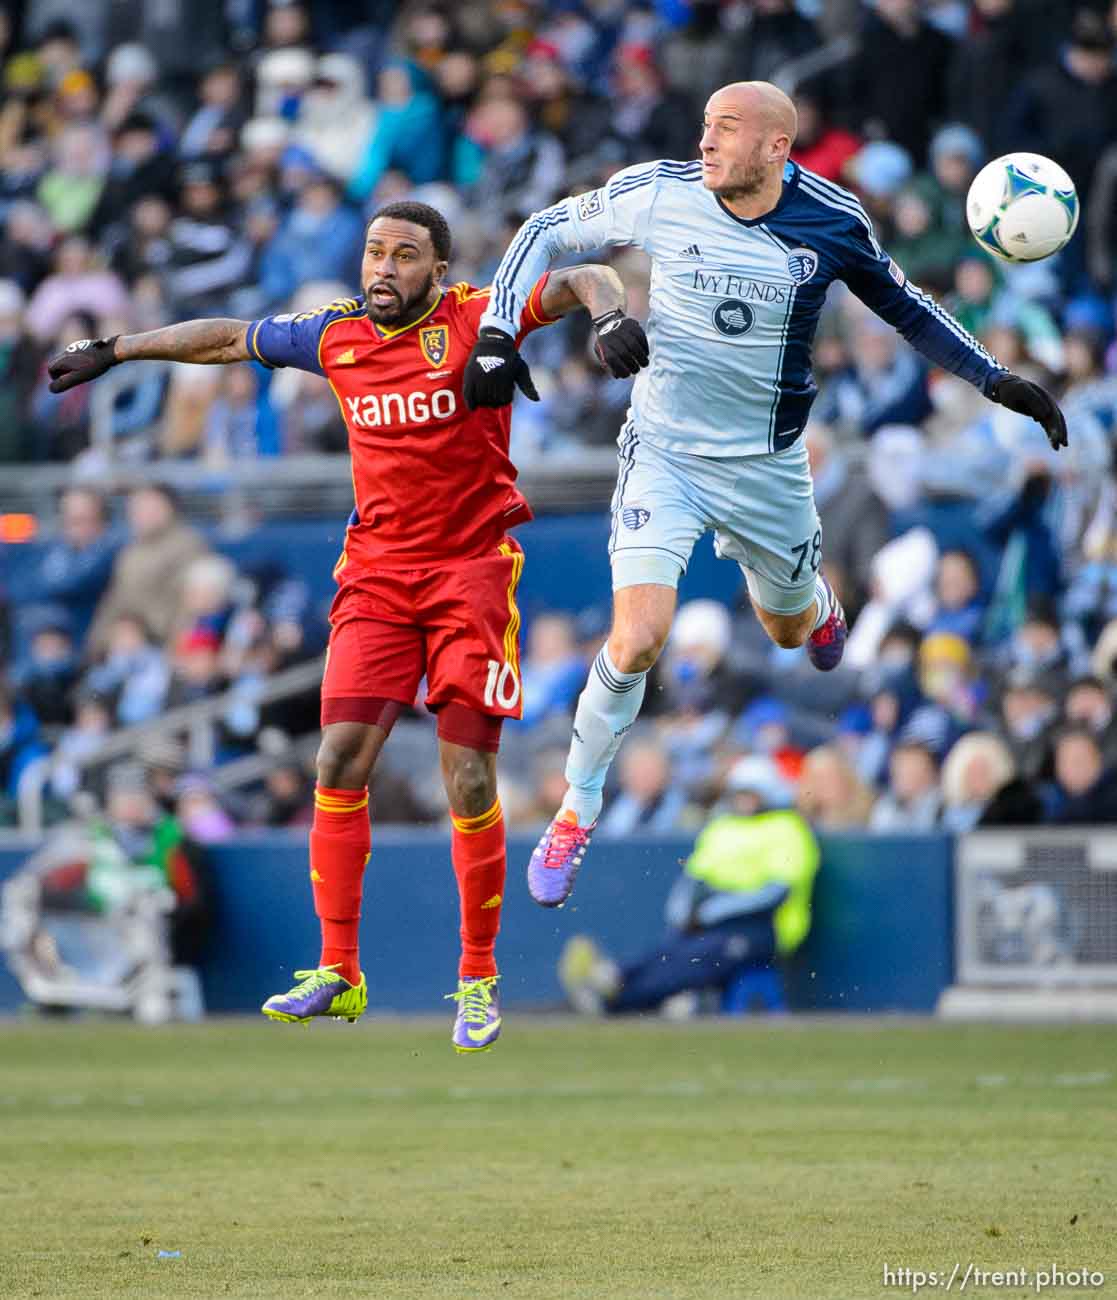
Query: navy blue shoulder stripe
663	170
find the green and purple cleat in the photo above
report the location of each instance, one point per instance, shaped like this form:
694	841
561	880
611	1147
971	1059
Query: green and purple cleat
477	1024
320	992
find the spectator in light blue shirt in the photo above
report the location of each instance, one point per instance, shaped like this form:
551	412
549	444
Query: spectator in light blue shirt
320	239
649	800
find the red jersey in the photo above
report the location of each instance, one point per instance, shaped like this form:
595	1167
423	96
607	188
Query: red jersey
432	480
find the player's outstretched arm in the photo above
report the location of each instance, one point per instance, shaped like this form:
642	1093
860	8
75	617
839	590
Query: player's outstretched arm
876	279
620	343
206	342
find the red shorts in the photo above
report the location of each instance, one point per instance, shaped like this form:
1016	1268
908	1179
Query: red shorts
458	624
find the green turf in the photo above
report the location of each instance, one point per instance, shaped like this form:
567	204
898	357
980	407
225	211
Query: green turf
641	1160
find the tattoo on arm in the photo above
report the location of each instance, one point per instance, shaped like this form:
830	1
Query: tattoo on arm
208	342
597	288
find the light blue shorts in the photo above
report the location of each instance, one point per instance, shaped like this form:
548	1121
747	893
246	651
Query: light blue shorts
760	508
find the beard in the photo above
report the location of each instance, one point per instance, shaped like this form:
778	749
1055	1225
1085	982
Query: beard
400	311
746	179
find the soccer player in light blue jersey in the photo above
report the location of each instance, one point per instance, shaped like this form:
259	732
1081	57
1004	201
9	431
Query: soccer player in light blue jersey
743	245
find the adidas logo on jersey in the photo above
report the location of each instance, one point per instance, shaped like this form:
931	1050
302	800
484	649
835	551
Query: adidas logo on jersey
488	364
692	253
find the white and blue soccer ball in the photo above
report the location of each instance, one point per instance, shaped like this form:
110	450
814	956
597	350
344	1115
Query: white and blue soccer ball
1022	207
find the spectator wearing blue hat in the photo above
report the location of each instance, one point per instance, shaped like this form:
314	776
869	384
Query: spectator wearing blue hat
879	172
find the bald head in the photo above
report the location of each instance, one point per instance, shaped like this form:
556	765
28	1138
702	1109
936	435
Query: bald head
759	101
748	132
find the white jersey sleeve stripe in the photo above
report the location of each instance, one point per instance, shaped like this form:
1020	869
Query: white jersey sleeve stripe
926	301
835	194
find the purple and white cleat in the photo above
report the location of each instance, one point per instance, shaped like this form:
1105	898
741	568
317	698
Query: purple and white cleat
557	857
827	643
477	1025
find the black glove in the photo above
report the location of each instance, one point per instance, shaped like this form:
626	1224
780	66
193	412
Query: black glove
620	343
1029	399
81	362
494	370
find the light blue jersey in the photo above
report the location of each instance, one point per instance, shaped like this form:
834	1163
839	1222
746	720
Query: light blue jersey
734	302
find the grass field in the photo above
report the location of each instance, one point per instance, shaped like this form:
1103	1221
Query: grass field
642	1160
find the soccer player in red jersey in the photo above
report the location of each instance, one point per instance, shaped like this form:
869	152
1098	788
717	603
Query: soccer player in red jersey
426	580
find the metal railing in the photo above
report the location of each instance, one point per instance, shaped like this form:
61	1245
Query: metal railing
790	76
195	721
242	493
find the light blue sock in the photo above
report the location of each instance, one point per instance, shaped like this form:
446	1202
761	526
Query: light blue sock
607	708
825	600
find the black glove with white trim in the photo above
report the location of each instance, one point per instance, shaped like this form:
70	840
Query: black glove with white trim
494	370
80	362
1029	399
620	343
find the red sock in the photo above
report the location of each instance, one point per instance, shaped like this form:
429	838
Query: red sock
477	848
339	853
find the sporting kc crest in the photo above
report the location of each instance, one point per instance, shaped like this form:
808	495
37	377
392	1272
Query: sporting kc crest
435	342
802	263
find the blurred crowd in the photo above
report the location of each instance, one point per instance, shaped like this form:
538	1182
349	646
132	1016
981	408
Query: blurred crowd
167	161
933	724
116	623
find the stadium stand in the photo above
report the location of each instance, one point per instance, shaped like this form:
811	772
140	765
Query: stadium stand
159	164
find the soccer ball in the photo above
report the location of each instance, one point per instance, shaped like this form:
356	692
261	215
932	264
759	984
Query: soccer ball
1022	207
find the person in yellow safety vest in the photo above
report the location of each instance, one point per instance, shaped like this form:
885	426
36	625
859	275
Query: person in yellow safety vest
743	898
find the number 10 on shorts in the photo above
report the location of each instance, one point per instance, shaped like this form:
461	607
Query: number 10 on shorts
502	686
